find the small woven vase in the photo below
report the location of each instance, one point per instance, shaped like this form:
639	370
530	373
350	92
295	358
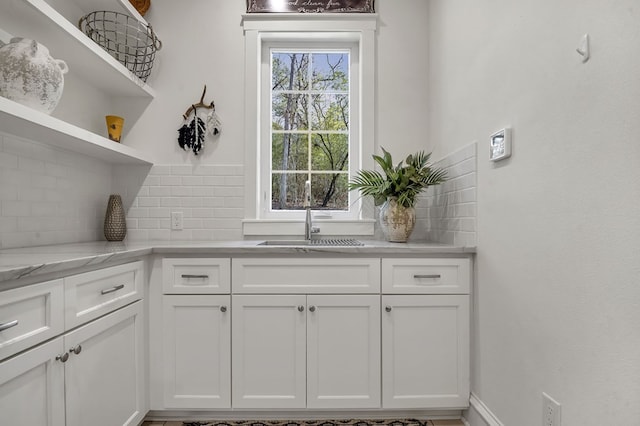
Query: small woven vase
115	225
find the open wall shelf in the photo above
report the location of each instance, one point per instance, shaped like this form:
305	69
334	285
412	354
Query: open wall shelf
38	20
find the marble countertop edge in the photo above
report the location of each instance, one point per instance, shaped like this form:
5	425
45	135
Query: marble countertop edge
32	261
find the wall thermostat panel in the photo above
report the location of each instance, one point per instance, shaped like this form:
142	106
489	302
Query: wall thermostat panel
500	144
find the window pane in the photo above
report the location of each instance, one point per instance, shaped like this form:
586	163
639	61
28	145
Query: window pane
290	71
330	71
329	191
289	151
287	191
330	112
330	152
289	112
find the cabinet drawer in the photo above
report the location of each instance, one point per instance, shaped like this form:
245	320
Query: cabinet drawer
92	294
196	276
30	315
426	276
301	275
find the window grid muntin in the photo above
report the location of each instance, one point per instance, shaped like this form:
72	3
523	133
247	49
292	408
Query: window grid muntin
309	132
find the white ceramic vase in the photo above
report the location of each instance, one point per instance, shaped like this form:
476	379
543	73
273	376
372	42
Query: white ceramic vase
30	76
396	221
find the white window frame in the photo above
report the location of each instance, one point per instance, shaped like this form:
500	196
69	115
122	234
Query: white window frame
262	31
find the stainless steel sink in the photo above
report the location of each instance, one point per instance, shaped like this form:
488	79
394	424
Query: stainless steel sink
326	242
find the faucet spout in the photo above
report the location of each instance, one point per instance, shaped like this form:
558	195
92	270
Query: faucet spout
308	225
309	229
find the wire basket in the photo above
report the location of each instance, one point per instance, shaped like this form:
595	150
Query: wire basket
131	42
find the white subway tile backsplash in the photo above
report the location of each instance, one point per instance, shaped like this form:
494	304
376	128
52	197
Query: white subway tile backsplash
170	180
209	197
451	207
8	160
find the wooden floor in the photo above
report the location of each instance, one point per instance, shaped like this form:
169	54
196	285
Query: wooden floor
429	423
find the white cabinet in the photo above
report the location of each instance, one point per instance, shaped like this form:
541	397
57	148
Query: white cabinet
196	275
312	333
425	351
32	387
30	315
196	351
92	375
425	337
343	357
195	367
269	349
313	351
108	87
306	275
95	293
89	370
104	378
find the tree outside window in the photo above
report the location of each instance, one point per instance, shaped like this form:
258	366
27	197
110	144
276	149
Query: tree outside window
309	129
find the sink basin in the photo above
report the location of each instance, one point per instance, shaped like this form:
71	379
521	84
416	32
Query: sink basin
326	242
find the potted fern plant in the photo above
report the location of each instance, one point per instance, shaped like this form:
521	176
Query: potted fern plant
396	189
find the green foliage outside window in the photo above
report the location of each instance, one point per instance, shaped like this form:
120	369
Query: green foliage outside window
310	129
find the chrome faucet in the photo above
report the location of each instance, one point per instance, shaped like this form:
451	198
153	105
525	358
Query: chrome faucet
309	229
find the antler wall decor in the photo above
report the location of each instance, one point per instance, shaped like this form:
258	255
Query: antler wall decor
192	133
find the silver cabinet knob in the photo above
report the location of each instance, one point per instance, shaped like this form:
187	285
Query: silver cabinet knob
312	308
223	309
388	309
76	350
300	308
62	358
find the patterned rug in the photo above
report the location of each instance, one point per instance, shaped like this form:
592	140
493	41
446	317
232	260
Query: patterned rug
348	422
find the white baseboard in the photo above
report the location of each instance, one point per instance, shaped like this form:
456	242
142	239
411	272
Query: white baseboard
479	408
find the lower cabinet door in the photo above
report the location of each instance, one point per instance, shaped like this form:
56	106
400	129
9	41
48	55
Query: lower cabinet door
104	373
268	361
197	351
425	351
343	351
32	387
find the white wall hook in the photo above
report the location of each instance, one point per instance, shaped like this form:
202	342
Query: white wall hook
583	50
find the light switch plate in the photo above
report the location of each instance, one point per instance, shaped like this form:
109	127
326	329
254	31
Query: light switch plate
500	144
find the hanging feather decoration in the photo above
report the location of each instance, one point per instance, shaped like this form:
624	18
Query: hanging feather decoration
184	136
214	126
197	130
191	134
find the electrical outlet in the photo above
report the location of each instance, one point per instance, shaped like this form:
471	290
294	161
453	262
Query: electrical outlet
176	221
550	411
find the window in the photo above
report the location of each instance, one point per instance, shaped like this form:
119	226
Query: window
309	104
309	117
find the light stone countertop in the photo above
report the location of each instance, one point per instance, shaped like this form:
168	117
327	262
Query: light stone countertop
34	261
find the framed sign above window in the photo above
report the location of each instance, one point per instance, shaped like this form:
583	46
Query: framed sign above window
310	6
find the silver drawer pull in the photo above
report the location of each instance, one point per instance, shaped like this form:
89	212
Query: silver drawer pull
388	308
300	308
63	358
112	289
76	350
312	308
427	276
194	276
223	309
8	325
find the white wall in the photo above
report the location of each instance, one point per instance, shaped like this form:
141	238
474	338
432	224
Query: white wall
203	43
557	296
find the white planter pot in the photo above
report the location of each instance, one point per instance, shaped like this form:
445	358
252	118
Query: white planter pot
397	221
